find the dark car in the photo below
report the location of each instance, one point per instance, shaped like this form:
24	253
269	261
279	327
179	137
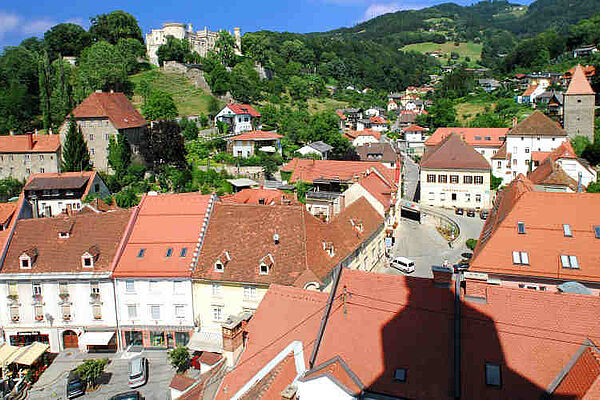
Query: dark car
75	385
459	211
470	213
484	214
133	395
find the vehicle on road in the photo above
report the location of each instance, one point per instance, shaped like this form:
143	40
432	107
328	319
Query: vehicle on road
133	395
459	211
138	371
403	264
468	256
75	385
484	214
470	213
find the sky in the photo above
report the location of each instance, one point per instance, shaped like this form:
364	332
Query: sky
23	19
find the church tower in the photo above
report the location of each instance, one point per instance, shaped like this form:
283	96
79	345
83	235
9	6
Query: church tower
578	108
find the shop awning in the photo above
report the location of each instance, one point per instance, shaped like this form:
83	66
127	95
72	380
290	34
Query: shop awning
96	338
8	353
206	341
31	353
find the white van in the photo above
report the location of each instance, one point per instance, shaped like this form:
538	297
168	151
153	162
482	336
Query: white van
403	264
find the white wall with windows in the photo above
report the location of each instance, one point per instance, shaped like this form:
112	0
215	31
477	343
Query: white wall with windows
469	189
51	304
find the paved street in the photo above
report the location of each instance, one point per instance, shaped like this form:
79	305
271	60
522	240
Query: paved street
426	247
411	178
116	377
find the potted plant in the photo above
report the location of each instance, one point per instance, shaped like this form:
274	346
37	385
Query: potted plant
37	298
13	297
64	296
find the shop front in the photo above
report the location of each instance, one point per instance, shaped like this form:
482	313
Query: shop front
156	337
99	341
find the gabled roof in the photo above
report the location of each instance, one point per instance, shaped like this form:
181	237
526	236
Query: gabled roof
414	128
61	181
565	150
163	222
351	135
100	232
581	380
259	196
529	91
114	106
538	124
543	214
256	135
241	109
378	120
320	146
550	173
310	170
377	152
501	153
531	335
378	188
476	137
29	143
6	211
454	153
579	84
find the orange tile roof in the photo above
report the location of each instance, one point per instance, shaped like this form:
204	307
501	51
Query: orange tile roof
565	150
114	106
581	376
64	255
539	156
379	189
531	335
579	83
529	91
378	120
243	109
543	214
501	153
538	124
588	70
256	135
415	128
260	196
337	369
181	382
29	143
6	211
308	170
550	173
476	137
164	221
341	115
454	153
351	135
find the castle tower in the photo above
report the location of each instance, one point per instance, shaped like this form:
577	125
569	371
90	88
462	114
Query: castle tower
578	112
237	35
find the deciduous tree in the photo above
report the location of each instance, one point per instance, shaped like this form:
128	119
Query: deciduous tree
114	26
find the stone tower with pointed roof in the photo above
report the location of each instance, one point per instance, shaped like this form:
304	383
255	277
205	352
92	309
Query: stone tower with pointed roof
579	106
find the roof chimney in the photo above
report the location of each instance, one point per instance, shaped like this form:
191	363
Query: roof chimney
276	238
30	141
579	185
515	121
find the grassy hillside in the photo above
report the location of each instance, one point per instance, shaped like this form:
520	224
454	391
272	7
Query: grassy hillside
189	100
468	49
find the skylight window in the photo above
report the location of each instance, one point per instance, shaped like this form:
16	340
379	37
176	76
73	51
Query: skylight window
570	262
477	137
493	375
520	257
183	252
521	228
141	253
400	375
567	230
597	231
169	252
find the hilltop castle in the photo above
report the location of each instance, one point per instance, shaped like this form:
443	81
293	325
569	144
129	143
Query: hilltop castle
201	41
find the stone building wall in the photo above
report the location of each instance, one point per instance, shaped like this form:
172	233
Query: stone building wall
21	165
579	115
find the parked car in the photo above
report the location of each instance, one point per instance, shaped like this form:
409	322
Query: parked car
459	211
484	214
470	213
75	385
133	395
403	264
138	371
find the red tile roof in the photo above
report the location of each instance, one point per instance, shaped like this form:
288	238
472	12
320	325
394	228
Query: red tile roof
166	221
379	189
543	214
181	382
565	150
453	153
114	106
476	137
243	109
539	156
529	91
260	196
415	128
501	153
308	170
538	124
340	114
6	211
210	358
29	143
256	135
578	381
351	135
550	173
579	83
531	335
64	255
378	120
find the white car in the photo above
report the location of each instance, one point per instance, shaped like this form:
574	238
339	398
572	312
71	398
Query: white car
403	264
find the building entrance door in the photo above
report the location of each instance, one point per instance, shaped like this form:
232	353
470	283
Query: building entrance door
70	340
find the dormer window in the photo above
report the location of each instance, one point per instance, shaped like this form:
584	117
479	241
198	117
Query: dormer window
90	257
265	264
63	235
221	261
328	247
25	262
264	269
219	267
27	258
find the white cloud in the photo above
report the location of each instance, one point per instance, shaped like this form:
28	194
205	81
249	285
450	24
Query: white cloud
8	23
377	9
19	26
36	27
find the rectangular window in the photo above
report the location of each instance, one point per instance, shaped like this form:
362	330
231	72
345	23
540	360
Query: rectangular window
527	150
570	262
499	164
183	252
468	197
106	135
479	180
467	179
155	312
178	287
249	292
97	311
442	178
39	312
36	289
478	198
216	289
453	178
41	157
400	375
493	375
12	289
217	313
14	314
130	286
132	311
141	253
92	152
597	232
42	170
95	287
91	137
169	252
521	228
66	312
63	288
567	230
179	311
520	257
430	178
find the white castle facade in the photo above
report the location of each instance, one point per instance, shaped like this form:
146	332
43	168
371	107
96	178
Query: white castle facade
201	41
